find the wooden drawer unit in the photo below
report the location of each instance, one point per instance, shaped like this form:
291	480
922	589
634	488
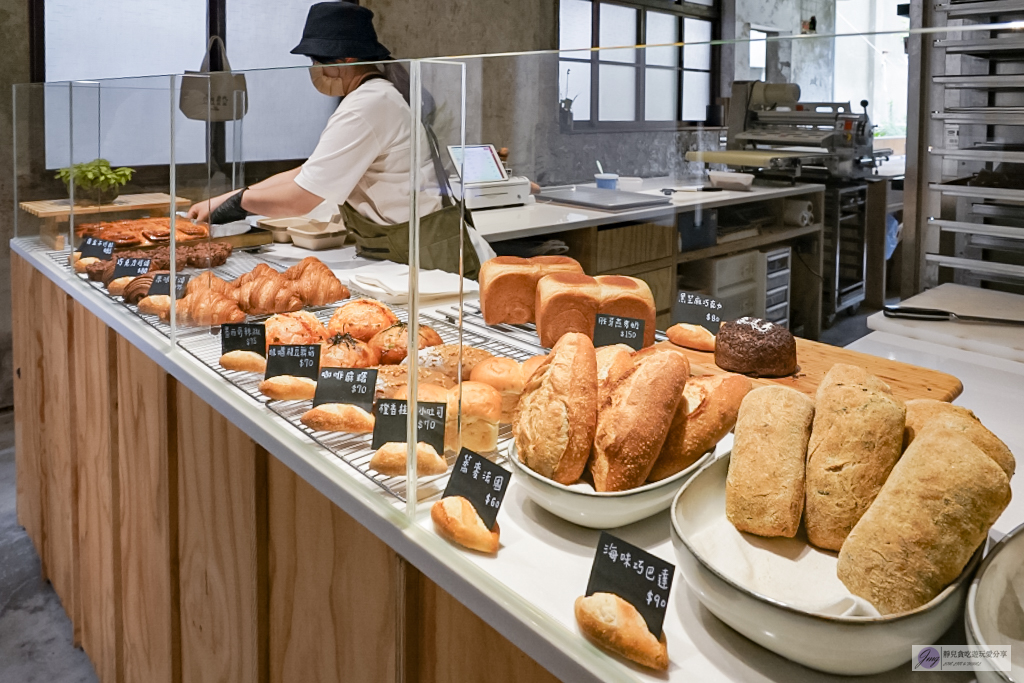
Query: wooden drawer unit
663	286
631	244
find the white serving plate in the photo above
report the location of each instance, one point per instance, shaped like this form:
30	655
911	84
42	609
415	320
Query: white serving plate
835	643
995	606
582	505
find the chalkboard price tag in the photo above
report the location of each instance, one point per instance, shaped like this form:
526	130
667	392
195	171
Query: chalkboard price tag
697	309
243	337
161	285
612	329
96	248
635	575
130	267
479	481
391	417
352	386
297	360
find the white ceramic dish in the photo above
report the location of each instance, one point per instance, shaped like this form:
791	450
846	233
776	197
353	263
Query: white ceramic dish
727	180
995	606
581	505
849	645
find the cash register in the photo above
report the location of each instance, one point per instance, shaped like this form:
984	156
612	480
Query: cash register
488	185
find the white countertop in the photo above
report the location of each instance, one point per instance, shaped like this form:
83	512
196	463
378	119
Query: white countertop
527	591
544	218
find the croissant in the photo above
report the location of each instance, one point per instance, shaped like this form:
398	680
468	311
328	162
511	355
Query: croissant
267	295
206	307
300	268
209	281
258	273
318	287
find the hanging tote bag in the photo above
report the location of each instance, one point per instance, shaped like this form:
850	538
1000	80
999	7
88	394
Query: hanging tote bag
213	95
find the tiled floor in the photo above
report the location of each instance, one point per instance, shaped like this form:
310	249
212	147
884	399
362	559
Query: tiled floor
35	633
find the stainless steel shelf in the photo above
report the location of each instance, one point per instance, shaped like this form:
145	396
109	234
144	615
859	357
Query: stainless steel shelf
989	48
1000	82
977	267
998	193
955	10
985	116
980	155
1004	231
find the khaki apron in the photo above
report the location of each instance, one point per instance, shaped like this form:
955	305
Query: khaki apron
439	240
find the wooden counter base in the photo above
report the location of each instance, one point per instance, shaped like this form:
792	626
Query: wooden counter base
182	551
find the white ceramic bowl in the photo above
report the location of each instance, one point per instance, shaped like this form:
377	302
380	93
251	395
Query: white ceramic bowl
995	606
836	644
581	505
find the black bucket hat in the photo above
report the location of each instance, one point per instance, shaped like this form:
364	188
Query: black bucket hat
338	30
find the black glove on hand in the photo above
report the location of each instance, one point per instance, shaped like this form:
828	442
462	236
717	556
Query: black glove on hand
230	210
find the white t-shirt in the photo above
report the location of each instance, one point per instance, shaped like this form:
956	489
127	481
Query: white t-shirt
363	157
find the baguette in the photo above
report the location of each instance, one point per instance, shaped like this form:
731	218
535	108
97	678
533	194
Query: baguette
557	412
243	361
931	515
634	420
288	388
764	491
338	417
856	439
456	520
925	412
691	337
616	625
613	362
389	460
704	416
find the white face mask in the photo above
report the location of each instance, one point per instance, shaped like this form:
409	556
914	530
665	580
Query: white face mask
327	85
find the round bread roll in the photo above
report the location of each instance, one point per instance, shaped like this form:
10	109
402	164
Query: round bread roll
391	344
288	388
445	359
243	361
300	327
691	336
530	366
81	264
481	412
456	520
158	304
362	318
425	391
393	378
344	351
753	346
338	417
116	287
506	376
389	460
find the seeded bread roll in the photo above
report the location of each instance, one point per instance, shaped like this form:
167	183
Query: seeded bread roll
757	347
634	420
923	412
566	302
706	413
557	413
856	438
764	492
615	624
445	359
931	515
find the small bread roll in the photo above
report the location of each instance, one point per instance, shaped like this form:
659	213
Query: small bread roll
456	520
390	460
391	344
616	625
158	304
764	492
932	513
361	318
705	415
338	417
116	287
557	413
926	412
691	337
856	438
345	351
81	264
634	420
428	392
445	359
298	327
243	361
288	388
506	376
530	366
481	412
391	379
612	363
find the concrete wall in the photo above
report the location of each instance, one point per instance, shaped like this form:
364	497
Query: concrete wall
14	68
807	61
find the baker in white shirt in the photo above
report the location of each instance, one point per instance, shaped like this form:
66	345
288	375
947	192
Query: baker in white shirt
363	158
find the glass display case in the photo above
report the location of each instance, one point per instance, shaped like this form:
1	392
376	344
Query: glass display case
715	171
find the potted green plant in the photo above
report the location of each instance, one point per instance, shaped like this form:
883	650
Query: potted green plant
95	181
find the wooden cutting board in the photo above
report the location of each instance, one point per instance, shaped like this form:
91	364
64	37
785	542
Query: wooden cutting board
816	359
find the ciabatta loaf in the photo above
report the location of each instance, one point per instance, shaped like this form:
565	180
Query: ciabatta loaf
926	412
